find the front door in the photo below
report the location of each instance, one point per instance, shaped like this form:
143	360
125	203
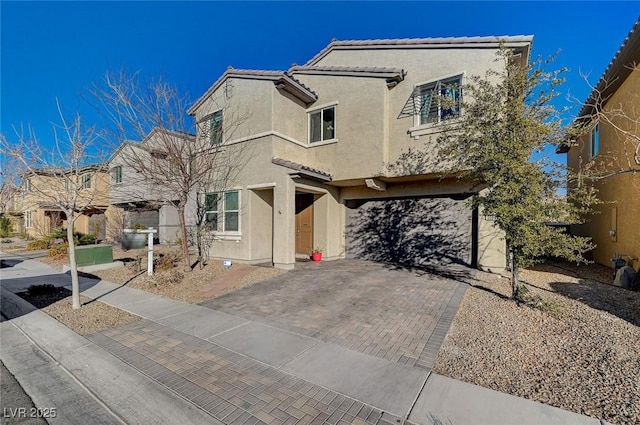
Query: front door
304	223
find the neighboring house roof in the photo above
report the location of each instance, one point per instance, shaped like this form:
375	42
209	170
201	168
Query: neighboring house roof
281	78
303	169
181	134
55	171
620	67
627	57
119	149
415	43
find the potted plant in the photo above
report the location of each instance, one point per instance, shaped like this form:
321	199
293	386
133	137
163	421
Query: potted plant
316	254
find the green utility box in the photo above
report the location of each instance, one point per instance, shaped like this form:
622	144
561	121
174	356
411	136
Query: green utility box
88	255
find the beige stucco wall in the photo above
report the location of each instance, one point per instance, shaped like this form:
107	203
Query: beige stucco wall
620	193
359	121
246	105
421	66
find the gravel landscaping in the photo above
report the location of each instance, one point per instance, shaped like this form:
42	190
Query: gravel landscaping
194	287
91	318
579	351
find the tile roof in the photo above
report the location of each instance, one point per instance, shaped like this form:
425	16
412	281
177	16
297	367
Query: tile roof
312	172
368	71
295	87
617	71
237	73
259	74
421	42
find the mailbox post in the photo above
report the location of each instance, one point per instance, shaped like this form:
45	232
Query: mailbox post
150	232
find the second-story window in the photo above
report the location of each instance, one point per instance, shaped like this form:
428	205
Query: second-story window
594	140
86	181
439	100
27	185
215	128
322	124
116	174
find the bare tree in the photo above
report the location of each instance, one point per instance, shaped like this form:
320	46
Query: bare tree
8	189
177	160
621	116
63	177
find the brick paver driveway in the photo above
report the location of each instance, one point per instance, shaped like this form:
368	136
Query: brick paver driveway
398	315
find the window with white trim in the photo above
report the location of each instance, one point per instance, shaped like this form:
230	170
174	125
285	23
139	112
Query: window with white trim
594	140
27	220
27	185
438	101
86	181
322	124
116	174
222	211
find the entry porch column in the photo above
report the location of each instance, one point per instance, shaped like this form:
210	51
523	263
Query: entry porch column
284	226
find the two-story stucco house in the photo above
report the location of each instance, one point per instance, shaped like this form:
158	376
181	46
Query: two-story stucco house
326	146
143	186
43	191
610	144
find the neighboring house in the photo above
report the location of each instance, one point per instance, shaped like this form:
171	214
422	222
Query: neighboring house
610	146
10	207
326	165
44	190
136	198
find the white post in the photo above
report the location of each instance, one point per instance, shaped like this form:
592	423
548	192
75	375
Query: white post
149	233
150	254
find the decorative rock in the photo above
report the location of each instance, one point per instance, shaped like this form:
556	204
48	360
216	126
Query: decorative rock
625	277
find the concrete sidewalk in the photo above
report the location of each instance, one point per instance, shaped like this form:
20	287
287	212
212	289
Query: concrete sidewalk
388	386
202	365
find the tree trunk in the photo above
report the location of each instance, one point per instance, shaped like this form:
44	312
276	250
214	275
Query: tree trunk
75	285
515	281
185	245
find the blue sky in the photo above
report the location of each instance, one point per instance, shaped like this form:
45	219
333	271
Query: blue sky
55	50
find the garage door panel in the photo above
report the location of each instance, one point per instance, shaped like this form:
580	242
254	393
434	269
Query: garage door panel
410	231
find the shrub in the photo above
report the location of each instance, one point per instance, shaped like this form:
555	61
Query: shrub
174	276
58	252
37	244
166	261
57	233
139	226
6	227
43	289
85	239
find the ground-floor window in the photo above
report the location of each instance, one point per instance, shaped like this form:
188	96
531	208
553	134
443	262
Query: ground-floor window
222	211
28	223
